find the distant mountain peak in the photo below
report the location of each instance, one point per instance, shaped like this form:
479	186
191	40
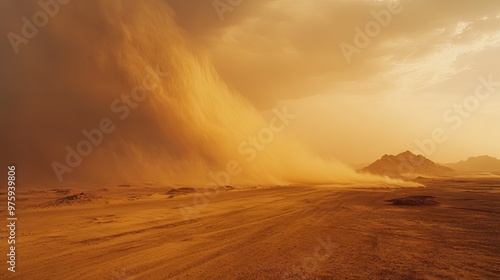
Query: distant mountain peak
405	163
482	163
407	153
483	157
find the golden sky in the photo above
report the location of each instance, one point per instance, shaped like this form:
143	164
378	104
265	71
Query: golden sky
395	91
417	75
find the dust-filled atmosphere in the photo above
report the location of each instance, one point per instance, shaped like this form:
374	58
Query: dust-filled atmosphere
221	139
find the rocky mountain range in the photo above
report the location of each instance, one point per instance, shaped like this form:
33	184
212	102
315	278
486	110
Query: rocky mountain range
480	163
406	163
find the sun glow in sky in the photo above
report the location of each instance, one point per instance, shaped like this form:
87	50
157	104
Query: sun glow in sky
396	91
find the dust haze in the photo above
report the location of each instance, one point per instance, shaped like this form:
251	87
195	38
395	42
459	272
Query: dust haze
187	124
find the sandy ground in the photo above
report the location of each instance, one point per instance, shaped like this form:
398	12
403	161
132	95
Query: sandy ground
293	232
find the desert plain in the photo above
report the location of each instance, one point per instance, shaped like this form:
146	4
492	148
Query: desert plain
449	229
267	100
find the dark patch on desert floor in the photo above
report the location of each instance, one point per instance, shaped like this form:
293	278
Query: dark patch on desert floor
422	200
61	191
180	191
292	232
81	198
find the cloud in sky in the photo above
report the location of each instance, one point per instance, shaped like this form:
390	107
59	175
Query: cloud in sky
427	59
275	50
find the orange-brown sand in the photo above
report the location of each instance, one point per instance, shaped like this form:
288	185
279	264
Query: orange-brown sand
293	232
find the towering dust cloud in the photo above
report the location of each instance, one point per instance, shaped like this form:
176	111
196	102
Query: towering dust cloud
110	91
